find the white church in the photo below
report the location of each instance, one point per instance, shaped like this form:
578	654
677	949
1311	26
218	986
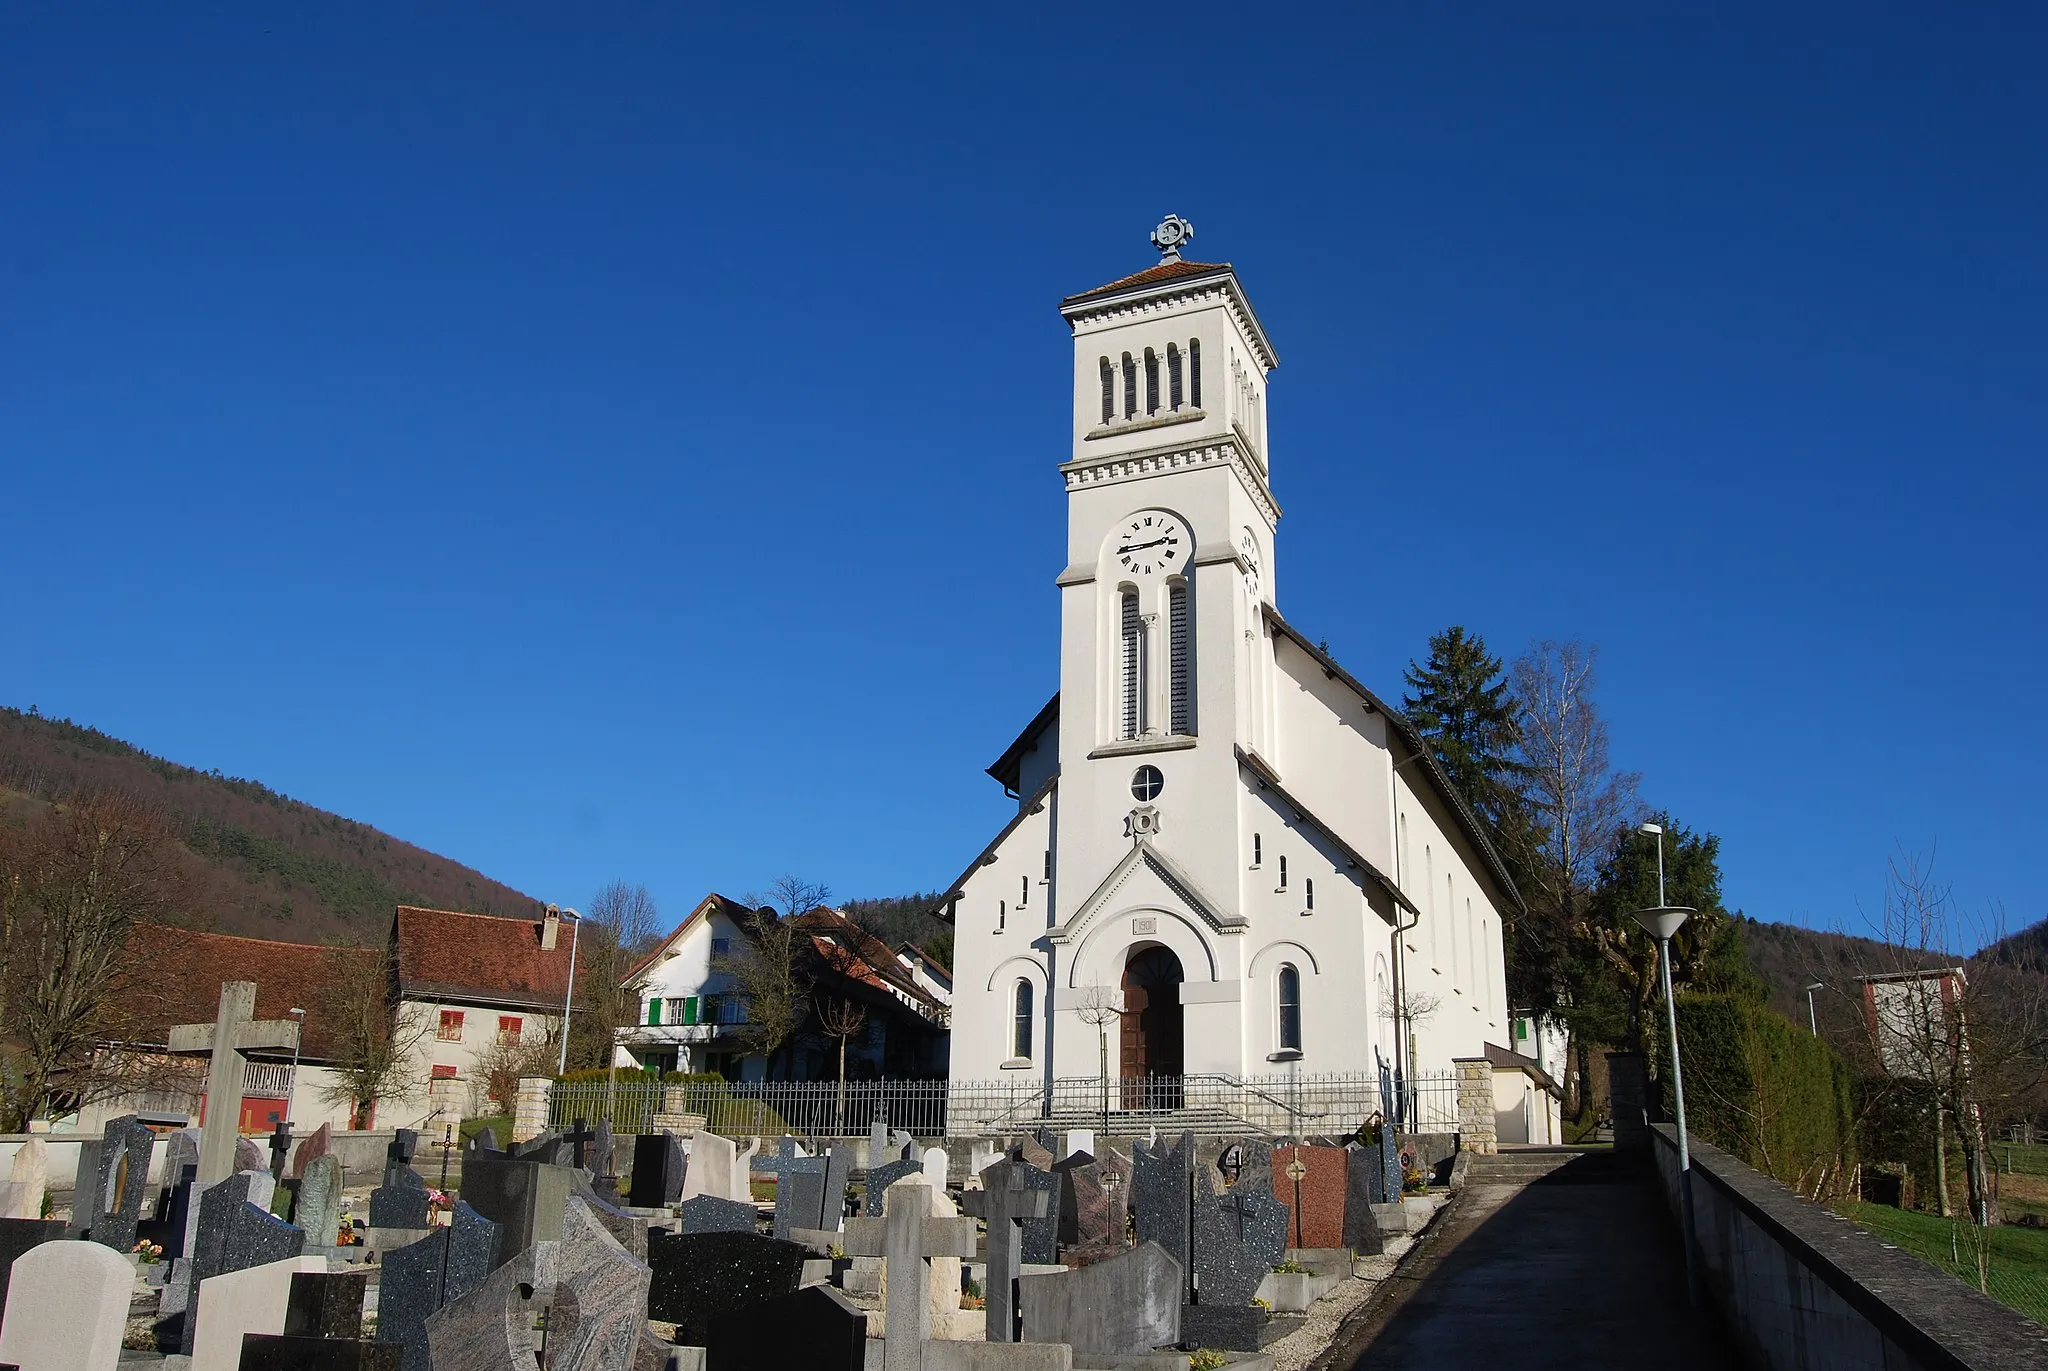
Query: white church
1218	831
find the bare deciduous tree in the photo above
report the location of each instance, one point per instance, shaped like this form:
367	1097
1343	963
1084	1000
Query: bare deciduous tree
499	1067
621	926
373	1042
771	966
841	1018
74	883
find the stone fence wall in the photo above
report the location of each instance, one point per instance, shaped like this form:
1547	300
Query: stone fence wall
1803	1289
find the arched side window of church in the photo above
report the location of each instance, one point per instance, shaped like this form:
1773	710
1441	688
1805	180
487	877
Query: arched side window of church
1457	930
1258	850
1130	387
1436	916
1132	630
1020	1021
1151	381
1308	894
1195	372
1486	964
1002	914
1283	871
1181	665
1108	391
1288	998
1173	386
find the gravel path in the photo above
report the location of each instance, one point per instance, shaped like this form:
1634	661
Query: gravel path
1301	1347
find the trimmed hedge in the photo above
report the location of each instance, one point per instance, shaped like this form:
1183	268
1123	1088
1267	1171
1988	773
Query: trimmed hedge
1766	1090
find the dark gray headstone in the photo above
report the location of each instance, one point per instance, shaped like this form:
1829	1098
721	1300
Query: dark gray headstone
399	1206
771	1163
418	1279
1390	1168
1162	1190
1238	1240
880	1178
123	1183
233	1235
1123	1304
715	1214
523	1197
1094	1207
326	1304
799	1194
272	1352
398	1155
659	1164
485	1139
832	1204
1224	1327
1006	1202
815	1329
1361	1231
602	1144
18	1236
697	1275
491	1328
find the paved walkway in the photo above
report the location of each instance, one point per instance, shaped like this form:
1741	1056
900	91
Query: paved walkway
1579	1269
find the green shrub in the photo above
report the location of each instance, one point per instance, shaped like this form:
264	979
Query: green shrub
1766	1090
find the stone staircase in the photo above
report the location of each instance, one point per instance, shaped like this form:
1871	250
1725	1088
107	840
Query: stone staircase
1520	1166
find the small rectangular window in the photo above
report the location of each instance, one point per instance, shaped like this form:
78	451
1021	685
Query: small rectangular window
1283	873
509	1027
1308	893
444	1073
1048	864
1258	850
451	1026
1002	915
721	946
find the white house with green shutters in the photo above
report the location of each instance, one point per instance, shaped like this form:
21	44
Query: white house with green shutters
690	1015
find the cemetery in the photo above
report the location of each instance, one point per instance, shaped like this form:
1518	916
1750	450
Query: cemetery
197	1247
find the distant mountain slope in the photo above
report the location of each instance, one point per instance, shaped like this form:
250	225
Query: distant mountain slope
266	866
1790	958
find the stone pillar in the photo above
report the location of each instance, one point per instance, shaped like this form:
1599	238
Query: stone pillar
1476	1128
530	1107
1627	1100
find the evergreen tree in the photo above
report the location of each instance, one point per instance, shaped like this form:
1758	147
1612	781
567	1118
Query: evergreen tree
1459	702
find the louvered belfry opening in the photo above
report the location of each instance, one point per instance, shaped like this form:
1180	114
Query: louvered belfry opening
1133	667
1182	666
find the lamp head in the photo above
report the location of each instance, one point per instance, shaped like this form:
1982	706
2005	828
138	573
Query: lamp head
1651	828
1818	985
296	1013
1662	923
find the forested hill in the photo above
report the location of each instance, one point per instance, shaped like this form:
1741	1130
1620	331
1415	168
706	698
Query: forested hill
1790	958
265	866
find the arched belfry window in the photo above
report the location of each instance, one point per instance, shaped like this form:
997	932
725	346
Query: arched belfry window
1173	386
1151	381
1020	1021
1195	372
1288	997
1181	665
1130	387
1132	633
1108	391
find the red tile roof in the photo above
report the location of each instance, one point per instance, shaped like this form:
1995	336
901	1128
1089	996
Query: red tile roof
1151	276
479	958
190	967
852	952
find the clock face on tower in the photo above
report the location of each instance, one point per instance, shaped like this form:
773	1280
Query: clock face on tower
1153	541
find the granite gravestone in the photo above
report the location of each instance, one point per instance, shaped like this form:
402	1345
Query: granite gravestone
1162	1194
832	1204
815	1329
597	1309
1245	1240
697	1275
603	1178
1005	1202
629	1230
235	1303
18	1236
319	1143
317	1211
799	1194
419	1278
400	1206
231	1235
1094	1207
1314	1199
491	1327
710	1214
21	1197
323	1329
659	1165
281	1352
1361	1174
524	1197
880	1178
1129	1303
715	1169
249	1156
398	1155
938	1165
122	1183
67	1307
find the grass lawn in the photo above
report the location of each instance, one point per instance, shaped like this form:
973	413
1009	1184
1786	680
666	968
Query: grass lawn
2019	1256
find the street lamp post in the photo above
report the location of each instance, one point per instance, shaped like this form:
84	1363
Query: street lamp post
1661	923
1657	830
1812	1022
291	1092
569	995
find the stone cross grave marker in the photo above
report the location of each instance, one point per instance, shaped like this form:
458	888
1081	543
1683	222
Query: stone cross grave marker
280	1148
907	1237
1006	1199
225	1042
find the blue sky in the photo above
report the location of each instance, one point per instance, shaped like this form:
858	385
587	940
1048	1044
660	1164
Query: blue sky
527	428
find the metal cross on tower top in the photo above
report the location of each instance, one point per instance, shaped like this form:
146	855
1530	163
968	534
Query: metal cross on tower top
1168	237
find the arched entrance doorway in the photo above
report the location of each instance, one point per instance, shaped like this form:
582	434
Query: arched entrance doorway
1152	1034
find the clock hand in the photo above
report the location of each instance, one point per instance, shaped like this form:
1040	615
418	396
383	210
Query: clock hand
1140	547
